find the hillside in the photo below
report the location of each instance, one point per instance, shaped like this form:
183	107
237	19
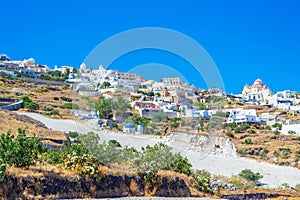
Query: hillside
10	121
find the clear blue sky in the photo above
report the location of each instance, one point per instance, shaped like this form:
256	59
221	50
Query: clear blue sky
246	39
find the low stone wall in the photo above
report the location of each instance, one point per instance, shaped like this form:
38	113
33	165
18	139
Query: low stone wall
14	106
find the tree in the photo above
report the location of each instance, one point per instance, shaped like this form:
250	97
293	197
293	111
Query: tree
103	106
150	94
201	105
105	84
135	119
159	117
90	141
119	107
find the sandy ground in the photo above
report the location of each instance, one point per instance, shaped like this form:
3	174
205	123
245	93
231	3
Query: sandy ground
226	165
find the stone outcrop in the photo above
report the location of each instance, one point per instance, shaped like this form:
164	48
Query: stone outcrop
54	186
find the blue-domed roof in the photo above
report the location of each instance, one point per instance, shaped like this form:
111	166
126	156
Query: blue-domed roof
129	125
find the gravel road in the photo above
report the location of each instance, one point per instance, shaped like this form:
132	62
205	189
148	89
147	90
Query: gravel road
226	165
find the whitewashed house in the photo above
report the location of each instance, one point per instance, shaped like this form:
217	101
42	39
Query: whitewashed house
194	112
243	116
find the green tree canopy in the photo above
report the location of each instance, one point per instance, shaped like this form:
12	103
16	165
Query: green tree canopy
135	119
159	117
103	106
119	107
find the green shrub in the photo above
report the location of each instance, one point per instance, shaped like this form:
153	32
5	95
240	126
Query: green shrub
268	127
276	132
231	125
114	143
251	131
238	129
180	164
54	112
29	104
159	117
250	175
73	134
247	141
292	132
19	151
245	126
70	106
203	180
159	157
277	126
230	134
287	150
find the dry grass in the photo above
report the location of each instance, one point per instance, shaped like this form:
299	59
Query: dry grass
264	139
42	94
40	170
11	122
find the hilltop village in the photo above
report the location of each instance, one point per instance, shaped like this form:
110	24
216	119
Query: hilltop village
169	97
65	104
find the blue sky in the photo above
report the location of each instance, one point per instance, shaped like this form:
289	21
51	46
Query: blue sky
246	39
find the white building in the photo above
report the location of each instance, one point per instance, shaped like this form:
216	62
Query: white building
282	100
243	116
257	92
193	112
129	128
29	72
140	129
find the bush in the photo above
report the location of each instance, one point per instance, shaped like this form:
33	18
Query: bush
19	151
238	129
54	112
203	180
249	175
245	126
230	134
286	150
159	157
251	131
114	143
29	104
231	125
73	134
247	141
159	117
70	106
268	127
277	126
180	164
292	132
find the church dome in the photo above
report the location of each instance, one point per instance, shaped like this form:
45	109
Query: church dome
258	82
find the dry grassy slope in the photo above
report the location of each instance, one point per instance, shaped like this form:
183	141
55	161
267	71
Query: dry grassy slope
263	139
11	121
44	95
